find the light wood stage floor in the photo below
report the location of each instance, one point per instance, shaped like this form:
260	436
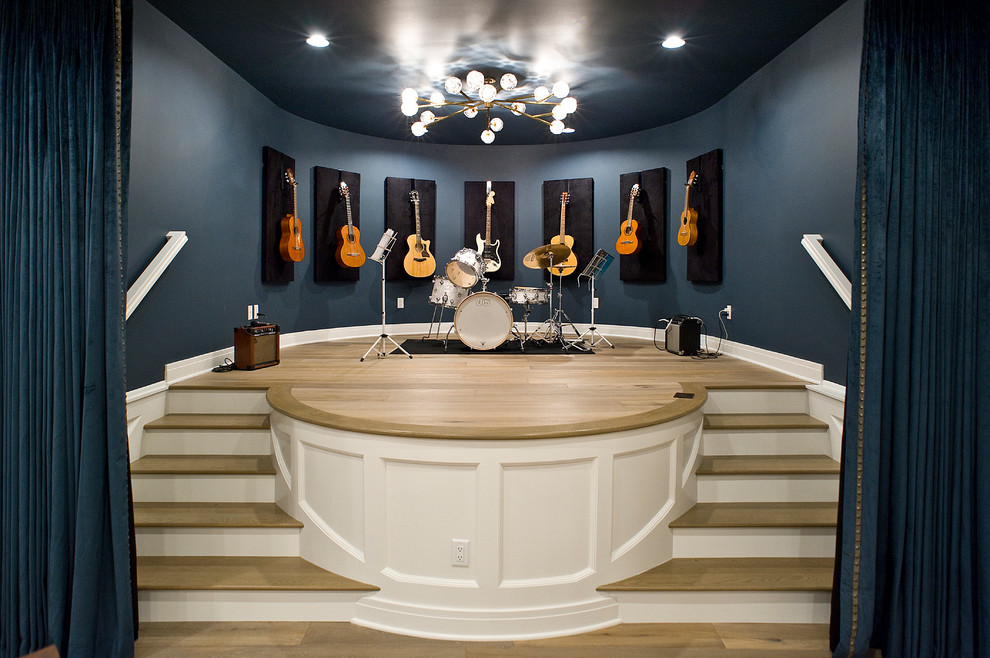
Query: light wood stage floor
483	395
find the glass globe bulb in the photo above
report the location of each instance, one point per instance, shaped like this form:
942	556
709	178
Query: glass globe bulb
557	127
508	81
471	112
569	104
541	93
427	117
673	41
488	137
561	89
437	99
474	80
495	124
452	85
409	95
519	108
559	112
487	92
418	129
409	109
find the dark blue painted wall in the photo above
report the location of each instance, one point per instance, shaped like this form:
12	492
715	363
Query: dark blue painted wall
789	141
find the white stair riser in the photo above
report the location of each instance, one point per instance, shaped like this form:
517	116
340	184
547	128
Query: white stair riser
757	401
754	542
274	542
217	402
207	442
724	607
767	488
765	442
230	605
204	488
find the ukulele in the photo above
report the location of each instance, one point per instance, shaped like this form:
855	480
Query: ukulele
291	246
488	249
688	234
419	261
628	242
569	264
350	253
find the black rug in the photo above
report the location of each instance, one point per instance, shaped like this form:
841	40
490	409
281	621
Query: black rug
454	346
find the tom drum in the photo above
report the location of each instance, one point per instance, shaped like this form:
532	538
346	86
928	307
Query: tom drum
526	295
446	294
465	268
483	321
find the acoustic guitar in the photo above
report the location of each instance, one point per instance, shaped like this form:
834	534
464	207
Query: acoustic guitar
350	253
290	246
628	242
488	249
419	262
568	265
688	234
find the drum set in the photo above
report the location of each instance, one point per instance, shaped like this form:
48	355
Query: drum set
483	320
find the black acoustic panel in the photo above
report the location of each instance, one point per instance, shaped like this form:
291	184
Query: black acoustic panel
400	217
579	216
649	210
276	203
503	221
330	217
704	258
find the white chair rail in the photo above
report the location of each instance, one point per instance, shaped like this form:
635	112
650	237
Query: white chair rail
148	278
812	242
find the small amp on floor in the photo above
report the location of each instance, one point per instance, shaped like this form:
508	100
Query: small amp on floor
255	346
683	335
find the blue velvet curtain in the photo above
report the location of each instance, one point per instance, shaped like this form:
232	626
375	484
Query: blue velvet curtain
913	552
65	541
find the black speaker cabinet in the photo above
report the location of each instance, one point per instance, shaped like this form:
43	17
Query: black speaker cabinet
255	346
683	336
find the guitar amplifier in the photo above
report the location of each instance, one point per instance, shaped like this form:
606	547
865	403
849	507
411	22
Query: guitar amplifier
683	336
255	346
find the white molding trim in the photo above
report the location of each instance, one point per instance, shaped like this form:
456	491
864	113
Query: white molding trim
812	242
143	284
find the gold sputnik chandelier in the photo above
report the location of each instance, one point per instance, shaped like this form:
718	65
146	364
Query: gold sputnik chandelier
550	112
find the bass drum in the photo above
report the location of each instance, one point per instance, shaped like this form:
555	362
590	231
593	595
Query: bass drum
483	321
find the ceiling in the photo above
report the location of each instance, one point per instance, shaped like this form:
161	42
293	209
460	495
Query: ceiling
608	51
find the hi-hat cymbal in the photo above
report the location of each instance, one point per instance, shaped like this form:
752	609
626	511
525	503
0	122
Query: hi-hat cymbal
540	257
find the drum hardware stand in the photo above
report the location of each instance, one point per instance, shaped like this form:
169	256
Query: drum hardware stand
598	264
381	253
442	305
558	318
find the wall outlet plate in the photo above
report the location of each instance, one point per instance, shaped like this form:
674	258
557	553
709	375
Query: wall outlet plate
460	553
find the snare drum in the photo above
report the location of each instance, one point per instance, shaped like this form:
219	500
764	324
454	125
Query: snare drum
446	294
465	268
531	296
483	321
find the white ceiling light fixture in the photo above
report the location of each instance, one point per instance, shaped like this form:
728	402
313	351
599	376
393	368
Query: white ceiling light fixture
672	42
486	99
318	41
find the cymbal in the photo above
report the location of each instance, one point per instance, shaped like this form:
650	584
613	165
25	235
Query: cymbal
540	257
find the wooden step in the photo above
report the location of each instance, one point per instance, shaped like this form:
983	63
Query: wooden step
240	573
768	465
212	515
763	422
732	574
210	422
759	515
203	465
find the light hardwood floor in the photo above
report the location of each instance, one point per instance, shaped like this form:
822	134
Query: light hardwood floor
343	639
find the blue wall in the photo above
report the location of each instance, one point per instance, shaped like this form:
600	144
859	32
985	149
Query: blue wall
789	141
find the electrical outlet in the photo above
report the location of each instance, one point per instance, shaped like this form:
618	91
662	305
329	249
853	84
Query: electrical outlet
400	302
728	311
255	312
250	312
594	302
459	552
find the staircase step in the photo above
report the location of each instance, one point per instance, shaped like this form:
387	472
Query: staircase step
190	398
240	573
792	398
203	465
759	515
204	434
204	478
740	421
212	515
210	422
768	465
767	478
765	434
732	574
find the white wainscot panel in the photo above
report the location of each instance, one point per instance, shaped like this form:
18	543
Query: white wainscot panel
427	505
642	495
548	522
328	477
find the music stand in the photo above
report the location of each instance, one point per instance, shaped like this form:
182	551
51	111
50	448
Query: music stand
381	253
598	264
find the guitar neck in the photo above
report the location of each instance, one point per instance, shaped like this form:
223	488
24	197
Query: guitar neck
419	236
563	206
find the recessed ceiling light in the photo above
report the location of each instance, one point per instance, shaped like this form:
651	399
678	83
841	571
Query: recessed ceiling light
672	42
318	41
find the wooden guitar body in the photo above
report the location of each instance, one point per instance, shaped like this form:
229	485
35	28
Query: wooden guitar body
419	262
688	233
350	253
628	242
290	245
569	264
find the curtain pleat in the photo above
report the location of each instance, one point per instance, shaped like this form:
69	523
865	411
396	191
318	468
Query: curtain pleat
66	548
912	555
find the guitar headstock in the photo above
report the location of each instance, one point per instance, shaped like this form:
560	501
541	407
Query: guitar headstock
565	197
290	178
490	199
344	192
414	196
634	192
692	179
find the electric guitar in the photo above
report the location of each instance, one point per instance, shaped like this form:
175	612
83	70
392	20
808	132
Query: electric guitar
488	249
688	234
291	245
628	242
569	264
419	262
350	253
